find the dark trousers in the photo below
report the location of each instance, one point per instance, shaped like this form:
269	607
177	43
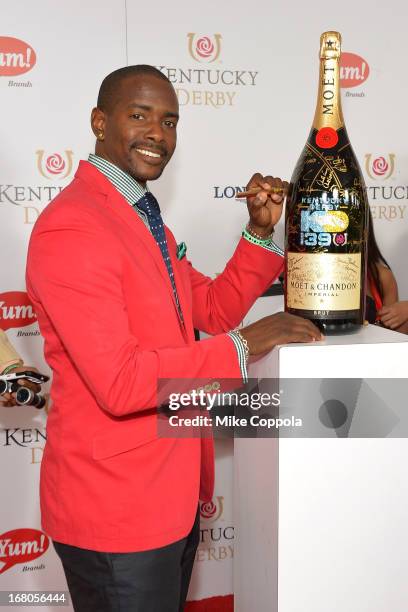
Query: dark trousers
151	581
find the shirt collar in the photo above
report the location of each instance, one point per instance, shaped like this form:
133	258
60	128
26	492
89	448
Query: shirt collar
131	190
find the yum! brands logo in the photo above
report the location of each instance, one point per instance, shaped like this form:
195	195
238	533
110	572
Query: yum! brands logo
354	70
16	310
21	546
54	165
212	510
204	48
380	167
16	56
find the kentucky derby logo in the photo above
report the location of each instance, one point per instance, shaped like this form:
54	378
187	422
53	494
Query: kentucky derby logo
54	165
379	167
212	510
204	48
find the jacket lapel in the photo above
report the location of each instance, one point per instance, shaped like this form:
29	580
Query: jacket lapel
119	206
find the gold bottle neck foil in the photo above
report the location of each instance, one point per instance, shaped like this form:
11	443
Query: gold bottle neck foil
328	107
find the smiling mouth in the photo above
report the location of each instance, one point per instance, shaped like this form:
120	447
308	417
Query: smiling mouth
148	153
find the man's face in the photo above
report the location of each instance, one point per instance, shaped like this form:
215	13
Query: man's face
139	130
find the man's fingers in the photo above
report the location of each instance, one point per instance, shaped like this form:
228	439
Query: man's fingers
308	338
255	181
274	183
259	200
309	328
386	319
390	321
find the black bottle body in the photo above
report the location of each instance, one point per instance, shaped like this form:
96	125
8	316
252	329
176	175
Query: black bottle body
326	234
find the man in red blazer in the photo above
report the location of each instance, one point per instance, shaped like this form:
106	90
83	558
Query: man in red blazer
117	305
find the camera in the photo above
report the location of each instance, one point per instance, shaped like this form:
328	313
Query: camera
27	397
24	395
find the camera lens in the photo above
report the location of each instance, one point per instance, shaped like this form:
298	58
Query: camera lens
26	397
3	387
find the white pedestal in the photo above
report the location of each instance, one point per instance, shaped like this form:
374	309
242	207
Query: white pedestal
321	523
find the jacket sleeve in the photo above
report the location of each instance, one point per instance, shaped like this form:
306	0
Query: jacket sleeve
74	280
220	305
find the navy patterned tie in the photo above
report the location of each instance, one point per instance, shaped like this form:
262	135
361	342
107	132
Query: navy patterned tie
150	206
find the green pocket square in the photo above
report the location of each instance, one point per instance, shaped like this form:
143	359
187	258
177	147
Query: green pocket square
181	250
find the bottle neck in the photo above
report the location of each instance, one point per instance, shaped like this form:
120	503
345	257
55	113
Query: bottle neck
328	108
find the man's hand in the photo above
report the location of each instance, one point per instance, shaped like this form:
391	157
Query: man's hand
280	328
265	208
9	399
395	315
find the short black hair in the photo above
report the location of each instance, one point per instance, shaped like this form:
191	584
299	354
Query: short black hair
110	84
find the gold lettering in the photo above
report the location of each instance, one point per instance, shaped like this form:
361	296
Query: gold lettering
208	97
36	454
200	555
183	96
196	97
230	95
31	215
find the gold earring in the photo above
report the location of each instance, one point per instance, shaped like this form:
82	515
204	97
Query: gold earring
101	136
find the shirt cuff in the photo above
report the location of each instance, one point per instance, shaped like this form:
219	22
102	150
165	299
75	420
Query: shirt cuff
240	348
267	244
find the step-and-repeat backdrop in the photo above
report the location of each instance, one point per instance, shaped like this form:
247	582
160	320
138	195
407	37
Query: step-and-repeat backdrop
246	79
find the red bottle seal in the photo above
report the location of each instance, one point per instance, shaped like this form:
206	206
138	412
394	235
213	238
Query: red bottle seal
326	138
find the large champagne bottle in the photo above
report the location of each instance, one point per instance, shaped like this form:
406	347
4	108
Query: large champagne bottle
327	214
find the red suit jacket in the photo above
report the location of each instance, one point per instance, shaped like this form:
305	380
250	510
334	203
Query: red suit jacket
106	309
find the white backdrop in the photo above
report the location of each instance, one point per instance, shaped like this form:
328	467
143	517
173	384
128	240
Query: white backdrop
246	76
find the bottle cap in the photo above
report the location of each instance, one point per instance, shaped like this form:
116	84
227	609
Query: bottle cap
330	45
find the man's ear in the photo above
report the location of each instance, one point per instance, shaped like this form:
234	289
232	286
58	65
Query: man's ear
98	120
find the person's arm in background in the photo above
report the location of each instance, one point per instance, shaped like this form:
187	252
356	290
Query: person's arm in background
393	314
11	363
9	358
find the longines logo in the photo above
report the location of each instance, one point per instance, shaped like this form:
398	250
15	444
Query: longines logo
207	85
227	191
380	167
54	165
204	48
